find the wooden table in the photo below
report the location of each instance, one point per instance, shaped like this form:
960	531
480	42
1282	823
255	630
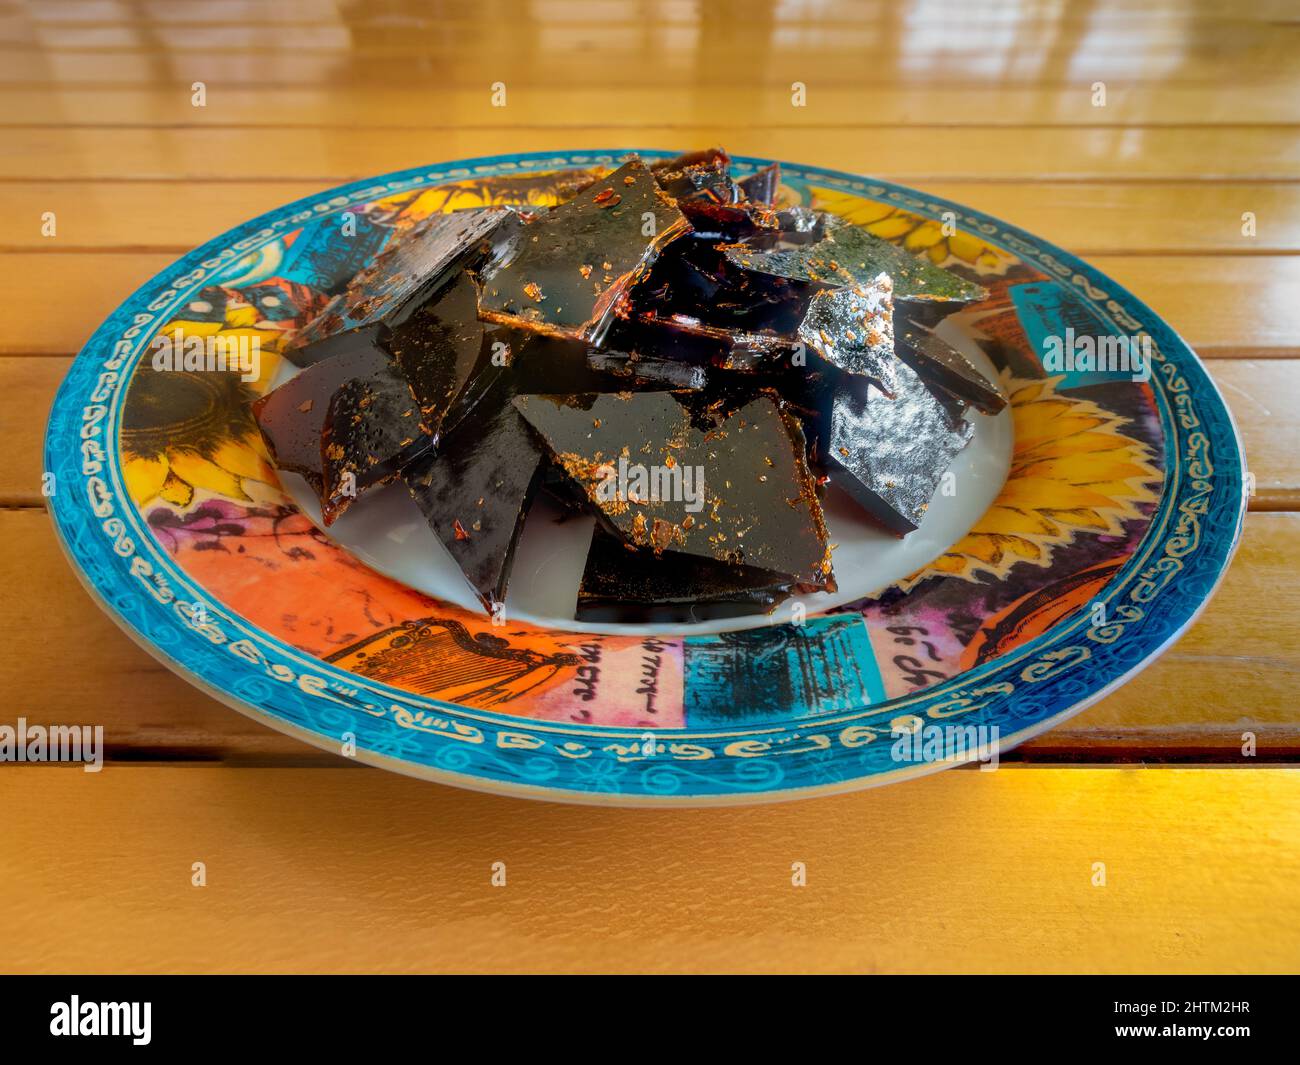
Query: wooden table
314	864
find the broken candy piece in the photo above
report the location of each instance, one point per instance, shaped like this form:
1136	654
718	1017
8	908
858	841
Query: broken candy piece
475	490
892	452
413	267
695	290
706	172
800	225
848	254
445	353
717	207
552	364
577	259
852	328
939	363
762	185
623	584
646	370
371	430
730	485
292	417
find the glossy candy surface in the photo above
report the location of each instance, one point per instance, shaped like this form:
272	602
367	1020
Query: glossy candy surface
475	490
663	348
726	484
848	254
620	583
890	454
573	263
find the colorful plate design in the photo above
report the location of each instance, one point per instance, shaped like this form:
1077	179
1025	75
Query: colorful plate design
1121	511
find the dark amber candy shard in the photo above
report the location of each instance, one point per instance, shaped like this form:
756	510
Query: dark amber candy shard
292	417
719	208
576	260
652	336
848	254
728	222
372	429
402	276
762	185
939	363
554	364
476	488
694	289
446	353
623	584
852	328
646	371
801	225
891	453
702	173
727	483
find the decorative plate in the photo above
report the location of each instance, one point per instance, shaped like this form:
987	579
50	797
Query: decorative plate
1117	504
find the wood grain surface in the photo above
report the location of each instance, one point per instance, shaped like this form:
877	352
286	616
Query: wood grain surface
340	871
314	863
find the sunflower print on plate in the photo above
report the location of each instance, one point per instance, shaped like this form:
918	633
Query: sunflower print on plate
944	245
184	431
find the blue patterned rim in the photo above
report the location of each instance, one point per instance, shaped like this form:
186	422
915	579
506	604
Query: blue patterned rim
1150	601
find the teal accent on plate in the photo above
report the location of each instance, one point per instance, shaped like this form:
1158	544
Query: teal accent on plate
820	666
1057	322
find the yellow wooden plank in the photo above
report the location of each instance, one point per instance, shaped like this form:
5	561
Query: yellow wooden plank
1235	670
1088	219
909	155
1223	306
968	36
683	105
714	52
1116	14
362	871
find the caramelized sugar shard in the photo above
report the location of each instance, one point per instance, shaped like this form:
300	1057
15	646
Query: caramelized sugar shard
719	482
576	260
939	363
476	488
716	206
697	174
848	254
292	417
695	290
666	343
401	277
623	584
640	371
372	429
554	364
953	406
761	186
852	328
890	454
800	225
728	222
440	358
445	353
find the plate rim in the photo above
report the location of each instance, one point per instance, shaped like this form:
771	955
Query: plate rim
1182	358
